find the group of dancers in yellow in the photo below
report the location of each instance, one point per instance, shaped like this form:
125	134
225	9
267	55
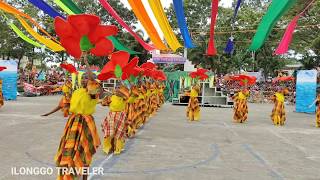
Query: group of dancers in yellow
278	115
129	109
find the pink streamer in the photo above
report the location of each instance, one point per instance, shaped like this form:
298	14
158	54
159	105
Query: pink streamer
287	37
115	15
211	50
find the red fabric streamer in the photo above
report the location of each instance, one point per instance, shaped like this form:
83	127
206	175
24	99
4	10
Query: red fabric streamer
287	37
2	68
115	15
211	50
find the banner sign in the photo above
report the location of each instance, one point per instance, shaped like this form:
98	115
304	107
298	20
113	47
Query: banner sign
168	58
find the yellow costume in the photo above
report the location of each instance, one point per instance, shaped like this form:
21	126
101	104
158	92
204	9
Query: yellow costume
114	125
1	95
132	111
318	111
193	109
241	106
278	115
80	138
64	103
142	107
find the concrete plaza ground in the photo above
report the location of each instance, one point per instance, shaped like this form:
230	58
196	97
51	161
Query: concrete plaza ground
169	147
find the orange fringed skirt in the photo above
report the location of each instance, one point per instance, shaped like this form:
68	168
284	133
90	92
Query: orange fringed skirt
78	144
240	110
278	115
1	99
193	109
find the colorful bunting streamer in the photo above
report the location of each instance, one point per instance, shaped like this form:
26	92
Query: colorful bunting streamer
23	36
273	14
64	7
68	6
211	50
178	7
73	7
160	15
45	8
9	9
236	11
20	33
115	15
142	15
287	37
120	47
47	42
229	46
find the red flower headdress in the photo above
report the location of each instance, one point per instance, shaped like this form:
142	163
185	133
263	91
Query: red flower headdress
199	74
69	67
84	33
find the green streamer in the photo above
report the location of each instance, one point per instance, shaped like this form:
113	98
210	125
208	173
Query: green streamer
76	10
73	7
23	36
63	7
121	47
20	33
275	11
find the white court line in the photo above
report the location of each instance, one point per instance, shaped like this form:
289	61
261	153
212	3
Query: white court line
231	129
110	156
286	140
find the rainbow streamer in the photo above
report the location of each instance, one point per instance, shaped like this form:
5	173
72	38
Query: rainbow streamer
158	12
115	15
276	10
23	36
9	9
46	8
211	50
178	6
47	42
63	7
142	15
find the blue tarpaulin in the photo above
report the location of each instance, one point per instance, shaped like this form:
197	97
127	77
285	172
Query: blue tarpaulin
9	78
306	88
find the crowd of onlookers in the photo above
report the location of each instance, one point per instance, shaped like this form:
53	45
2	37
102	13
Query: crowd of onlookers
34	82
259	92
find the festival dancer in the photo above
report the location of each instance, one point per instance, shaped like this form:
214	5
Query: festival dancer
317	103
241	106
80	138
193	109
64	103
1	95
240	98
113	126
278	115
